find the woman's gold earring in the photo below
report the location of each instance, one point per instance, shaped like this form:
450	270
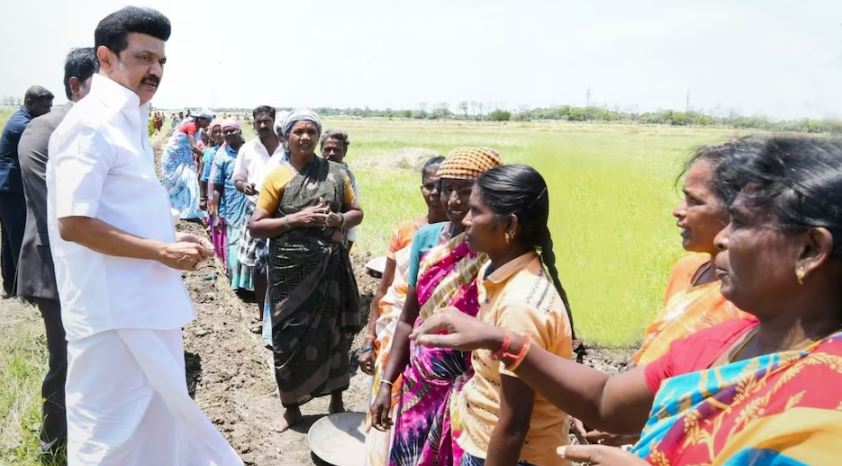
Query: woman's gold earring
800	274
508	237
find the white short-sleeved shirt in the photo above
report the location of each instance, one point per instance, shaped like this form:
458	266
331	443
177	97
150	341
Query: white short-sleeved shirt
254	163
102	166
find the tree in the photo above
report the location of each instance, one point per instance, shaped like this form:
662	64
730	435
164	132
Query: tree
442	111
463	106
500	115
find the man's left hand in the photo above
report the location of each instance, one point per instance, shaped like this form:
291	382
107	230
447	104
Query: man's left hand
207	246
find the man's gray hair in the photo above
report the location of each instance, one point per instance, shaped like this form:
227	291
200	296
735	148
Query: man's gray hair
338	134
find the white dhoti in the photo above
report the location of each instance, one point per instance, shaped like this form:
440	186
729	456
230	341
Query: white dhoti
127	404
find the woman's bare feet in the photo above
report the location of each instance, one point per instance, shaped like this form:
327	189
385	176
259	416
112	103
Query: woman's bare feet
336	404
291	416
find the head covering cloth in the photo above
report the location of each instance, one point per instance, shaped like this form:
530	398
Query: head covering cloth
467	163
302	114
204	113
229	123
280	119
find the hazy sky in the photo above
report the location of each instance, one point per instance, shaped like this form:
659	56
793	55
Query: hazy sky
779	58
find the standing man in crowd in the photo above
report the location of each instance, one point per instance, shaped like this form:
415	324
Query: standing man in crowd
36	102
334	146
255	160
36	276
113	241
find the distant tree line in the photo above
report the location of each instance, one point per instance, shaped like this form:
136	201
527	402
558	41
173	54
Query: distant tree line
473	111
10	101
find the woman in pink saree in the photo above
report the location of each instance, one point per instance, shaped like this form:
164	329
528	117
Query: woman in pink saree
442	273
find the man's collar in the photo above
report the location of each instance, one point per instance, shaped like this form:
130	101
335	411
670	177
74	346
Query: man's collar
113	94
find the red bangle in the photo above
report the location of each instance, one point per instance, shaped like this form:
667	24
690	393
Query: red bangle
504	347
521	355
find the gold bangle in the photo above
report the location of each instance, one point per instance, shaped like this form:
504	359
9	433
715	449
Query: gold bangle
391	384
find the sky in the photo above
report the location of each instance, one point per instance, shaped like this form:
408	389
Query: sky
782	59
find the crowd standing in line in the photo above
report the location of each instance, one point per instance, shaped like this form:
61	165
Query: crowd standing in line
470	335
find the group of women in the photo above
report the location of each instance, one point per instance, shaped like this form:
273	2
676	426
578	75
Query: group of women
469	339
470	336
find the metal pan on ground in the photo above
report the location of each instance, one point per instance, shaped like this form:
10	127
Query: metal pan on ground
339	439
376	266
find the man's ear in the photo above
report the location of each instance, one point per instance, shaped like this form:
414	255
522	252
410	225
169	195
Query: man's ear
75	85
105	57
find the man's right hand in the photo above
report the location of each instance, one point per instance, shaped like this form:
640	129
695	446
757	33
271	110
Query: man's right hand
183	255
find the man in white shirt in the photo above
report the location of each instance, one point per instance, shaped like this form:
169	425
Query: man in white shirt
117	259
255	160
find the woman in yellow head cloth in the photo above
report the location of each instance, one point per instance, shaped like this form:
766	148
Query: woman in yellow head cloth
442	273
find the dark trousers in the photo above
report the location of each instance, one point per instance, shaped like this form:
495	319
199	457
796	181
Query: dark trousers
12	222
53	413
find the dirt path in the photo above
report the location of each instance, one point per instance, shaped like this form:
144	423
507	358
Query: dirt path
229	370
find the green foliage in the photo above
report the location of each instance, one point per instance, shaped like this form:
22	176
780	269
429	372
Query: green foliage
500	115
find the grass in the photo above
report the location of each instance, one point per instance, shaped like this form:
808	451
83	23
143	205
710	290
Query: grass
611	189
23	362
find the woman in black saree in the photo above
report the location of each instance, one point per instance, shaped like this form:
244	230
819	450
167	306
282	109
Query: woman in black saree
305	207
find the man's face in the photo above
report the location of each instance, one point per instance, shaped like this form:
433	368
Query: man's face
139	67
231	135
264	125
333	150
216	135
39	107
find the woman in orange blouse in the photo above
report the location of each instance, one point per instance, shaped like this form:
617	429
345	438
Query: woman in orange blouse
389	300
692	301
